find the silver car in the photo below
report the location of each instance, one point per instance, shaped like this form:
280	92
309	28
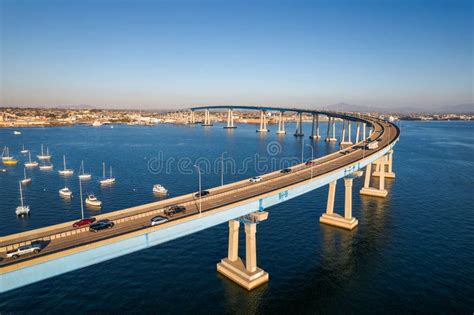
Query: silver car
158	220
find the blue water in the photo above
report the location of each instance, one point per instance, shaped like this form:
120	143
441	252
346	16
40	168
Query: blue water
412	252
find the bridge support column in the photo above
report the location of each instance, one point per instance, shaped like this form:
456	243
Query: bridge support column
371	191
247	275
299	126
263	122
328	138
357	133
334	219
207	118
364	126
333	127
345	142
281	124
315	128
193	117
387	166
230	120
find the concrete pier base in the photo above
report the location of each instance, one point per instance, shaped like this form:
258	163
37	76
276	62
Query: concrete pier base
298	134
387	174
332	140
337	220
230	127
236	271
374	192
262	130
206	125
314	137
280	132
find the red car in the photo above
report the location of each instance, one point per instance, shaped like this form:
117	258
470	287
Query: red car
83	222
310	162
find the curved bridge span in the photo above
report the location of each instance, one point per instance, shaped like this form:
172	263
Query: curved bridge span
65	248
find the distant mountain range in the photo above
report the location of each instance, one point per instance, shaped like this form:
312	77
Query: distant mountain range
455	109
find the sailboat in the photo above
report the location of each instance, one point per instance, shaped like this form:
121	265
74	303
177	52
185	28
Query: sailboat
46	167
92	200
83	175
25	180
65	192
22	210
107	181
23	150
31	163
65	171
43	156
7	159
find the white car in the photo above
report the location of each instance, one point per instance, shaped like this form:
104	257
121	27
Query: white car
22	250
158	220
255	179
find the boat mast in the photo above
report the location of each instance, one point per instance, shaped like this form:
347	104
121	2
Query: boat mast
29	156
24	172
21	195
82	167
64	160
103	170
110	171
82	205
42	150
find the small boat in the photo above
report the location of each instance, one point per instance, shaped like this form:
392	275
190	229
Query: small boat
158	189
6	154
96	124
65	171
25	180
30	163
107	181
10	162
3	170
22	209
92	200
23	150
65	192
45	167
43	156
16	132
83	175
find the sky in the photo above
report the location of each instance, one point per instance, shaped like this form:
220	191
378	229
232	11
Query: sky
174	54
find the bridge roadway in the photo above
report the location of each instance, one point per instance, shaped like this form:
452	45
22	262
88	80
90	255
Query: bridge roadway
220	196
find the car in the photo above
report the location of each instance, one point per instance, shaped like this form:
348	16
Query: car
309	162
83	222
174	209
158	220
202	193
255	179
101	225
285	170
22	250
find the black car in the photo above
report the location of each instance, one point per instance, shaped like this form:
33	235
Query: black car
201	193
285	170
174	209
101	225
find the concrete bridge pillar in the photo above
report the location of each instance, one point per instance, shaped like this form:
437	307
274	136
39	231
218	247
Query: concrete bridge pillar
334	219
328	138
207	118
281	124
247	275
371	191
357	133
333	127
344	141
387	166
299	125
263	122
364	126
230	119
193	117
315	128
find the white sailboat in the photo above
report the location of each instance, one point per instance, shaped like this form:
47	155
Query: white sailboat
43	156
6	154
83	175
65	171
46	167
30	163
25	180
22	209
65	192
107	181
159	189
92	200
23	150
16	132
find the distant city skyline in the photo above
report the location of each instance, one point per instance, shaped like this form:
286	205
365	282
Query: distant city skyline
164	55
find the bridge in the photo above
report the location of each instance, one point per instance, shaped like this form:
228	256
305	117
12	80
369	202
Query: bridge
65	248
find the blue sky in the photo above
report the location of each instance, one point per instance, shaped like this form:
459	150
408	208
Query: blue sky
171	54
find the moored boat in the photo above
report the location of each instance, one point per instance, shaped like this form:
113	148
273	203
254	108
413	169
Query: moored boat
66	171
65	192
25	179
30	163
107	181
159	189
83	175
92	200
44	156
22	209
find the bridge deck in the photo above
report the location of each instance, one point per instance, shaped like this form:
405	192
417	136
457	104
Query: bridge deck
138	218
